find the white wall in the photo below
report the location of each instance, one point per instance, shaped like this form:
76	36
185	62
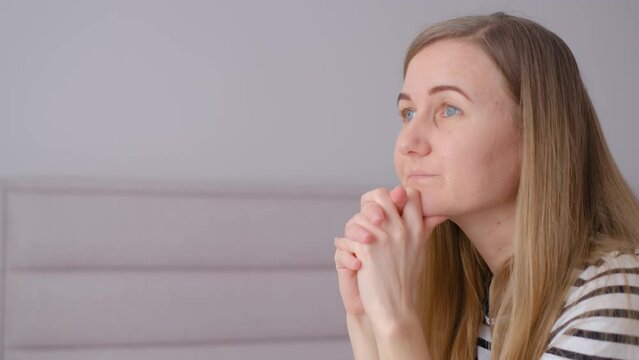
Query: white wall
287	92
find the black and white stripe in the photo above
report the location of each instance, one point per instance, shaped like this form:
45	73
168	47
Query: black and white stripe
600	320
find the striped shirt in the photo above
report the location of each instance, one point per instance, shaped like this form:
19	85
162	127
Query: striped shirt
600	320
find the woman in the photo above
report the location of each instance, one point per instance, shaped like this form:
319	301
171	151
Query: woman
513	235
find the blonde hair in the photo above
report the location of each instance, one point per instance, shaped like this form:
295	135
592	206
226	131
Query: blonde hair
573	206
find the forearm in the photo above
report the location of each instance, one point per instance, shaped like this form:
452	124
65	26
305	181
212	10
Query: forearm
402	340
362	337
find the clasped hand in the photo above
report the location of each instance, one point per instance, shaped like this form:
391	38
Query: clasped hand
381	255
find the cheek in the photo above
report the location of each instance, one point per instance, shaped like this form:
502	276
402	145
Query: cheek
492	174
479	171
399	164
462	164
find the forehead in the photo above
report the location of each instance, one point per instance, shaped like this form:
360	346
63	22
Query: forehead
458	63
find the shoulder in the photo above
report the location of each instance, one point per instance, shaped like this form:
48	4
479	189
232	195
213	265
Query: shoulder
601	312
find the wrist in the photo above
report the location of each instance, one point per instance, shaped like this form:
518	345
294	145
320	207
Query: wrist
362	337
402	338
398	326
360	321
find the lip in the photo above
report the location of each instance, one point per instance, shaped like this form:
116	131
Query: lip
419	176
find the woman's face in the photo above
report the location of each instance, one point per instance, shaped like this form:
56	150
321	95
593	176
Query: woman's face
458	144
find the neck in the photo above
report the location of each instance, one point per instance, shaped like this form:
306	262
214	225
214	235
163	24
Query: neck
492	232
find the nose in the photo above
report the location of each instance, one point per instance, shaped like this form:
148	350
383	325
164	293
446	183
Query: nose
413	139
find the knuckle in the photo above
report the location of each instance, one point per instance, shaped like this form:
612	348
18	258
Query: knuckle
339	257
371	207
348	225
354	221
372	194
350	231
357	218
382	197
375	214
380	193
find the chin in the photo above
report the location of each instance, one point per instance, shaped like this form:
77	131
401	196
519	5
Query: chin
431	205
433	208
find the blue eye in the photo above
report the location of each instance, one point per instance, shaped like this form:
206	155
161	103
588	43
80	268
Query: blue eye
407	115
450	110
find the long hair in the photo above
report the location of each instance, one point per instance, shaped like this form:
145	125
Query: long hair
573	205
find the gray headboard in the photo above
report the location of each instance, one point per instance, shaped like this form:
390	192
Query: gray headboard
147	270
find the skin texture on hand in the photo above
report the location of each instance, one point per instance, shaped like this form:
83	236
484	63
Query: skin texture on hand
380	257
347	263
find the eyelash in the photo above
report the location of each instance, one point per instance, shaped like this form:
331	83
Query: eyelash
403	117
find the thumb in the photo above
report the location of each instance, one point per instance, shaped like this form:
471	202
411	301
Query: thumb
399	197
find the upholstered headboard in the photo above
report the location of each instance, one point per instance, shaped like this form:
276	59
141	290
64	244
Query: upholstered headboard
147	270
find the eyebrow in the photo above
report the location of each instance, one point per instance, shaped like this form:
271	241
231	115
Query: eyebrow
436	89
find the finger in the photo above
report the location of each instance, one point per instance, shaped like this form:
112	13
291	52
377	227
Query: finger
356	232
373	212
349	245
346	260
399	198
378	233
353	222
349	290
382	197
413	214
